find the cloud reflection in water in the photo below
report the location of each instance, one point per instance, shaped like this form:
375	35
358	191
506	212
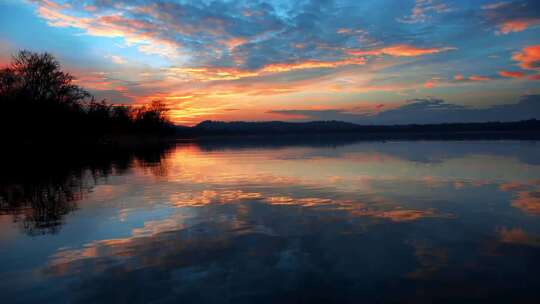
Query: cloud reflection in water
299	224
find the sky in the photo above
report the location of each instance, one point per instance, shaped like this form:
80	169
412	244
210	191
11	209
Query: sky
370	61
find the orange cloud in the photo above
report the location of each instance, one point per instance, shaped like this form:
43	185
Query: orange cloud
234	42
528	202
233	73
474	78
304	202
53	5
517	25
400	50
399	215
430	84
517	236
511	17
56	18
213	73
528	58
344	31
207	197
95	81
478	78
311	64
356	208
404	215
512	74
512	186
194	101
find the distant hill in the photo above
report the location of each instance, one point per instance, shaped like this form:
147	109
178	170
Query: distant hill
526	128
275	126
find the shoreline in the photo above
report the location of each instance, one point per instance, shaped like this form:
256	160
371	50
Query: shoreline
126	142
286	133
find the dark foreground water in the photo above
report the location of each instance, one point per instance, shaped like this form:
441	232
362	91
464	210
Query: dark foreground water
364	222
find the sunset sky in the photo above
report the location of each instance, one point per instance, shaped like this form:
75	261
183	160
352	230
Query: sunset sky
372	61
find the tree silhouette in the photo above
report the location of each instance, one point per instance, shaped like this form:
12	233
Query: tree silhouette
44	80
40	101
153	116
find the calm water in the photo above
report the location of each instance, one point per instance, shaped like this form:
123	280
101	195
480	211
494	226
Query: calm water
364	222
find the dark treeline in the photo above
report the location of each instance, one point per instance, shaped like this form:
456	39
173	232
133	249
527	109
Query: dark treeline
39	101
520	129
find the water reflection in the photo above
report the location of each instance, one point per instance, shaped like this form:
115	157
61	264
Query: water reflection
40	190
41	207
329	221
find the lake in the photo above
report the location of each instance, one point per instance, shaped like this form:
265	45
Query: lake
256	221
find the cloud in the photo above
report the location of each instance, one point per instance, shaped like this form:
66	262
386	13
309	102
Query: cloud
528	202
357	208
478	78
117	59
430	84
517	236
232	73
512	74
526	195
246	35
513	16
513	186
353	58
400	50
104	84
146	35
528	58
460	78
426	111
166	28
255	55
496	5
422	10
517	25
402	215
